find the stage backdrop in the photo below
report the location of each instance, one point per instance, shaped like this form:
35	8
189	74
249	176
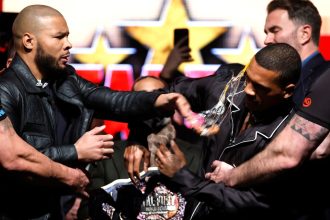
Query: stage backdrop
115	41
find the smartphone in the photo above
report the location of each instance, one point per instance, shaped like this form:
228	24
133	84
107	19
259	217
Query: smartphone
180	33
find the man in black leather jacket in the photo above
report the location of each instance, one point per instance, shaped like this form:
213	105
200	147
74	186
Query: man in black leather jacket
259	110
51	107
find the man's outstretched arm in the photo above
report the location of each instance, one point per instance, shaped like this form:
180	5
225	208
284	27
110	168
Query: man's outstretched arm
17	155
289	149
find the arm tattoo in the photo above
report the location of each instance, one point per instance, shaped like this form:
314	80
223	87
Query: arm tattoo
307	130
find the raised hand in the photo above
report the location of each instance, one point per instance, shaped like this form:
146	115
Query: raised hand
179	54
93	146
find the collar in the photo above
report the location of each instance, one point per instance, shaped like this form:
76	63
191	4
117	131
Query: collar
263	128
269	115
309	58
26	77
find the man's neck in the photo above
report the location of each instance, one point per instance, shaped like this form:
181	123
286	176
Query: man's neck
308	51
273	112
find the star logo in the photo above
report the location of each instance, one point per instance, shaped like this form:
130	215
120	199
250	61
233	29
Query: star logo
100	52
242	54
158	35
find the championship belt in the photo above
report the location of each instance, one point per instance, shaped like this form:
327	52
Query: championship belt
150	199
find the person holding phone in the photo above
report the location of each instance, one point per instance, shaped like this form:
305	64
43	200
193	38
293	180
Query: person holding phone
178	55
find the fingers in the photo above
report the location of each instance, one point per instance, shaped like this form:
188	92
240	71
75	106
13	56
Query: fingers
208	175
182	104
105	137
96	130
133	157
159	160
84	193
175	148
136	167
160	153
215	164
164	150
81	182
172	101
107	146
146	159
129	158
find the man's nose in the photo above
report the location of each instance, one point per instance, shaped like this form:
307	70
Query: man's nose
269	39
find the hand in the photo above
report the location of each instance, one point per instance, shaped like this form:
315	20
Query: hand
220	171
133	157
170	163
93	146
179	54
172	101
78	180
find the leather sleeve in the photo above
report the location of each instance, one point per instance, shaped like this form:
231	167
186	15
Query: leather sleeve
116	105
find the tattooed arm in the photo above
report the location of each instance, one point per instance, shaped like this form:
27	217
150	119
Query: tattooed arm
289	149
17	155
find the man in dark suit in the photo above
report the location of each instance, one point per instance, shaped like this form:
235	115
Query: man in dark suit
298	24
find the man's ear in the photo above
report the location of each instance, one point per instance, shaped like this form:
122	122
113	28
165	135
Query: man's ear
305	34
288	90
28	41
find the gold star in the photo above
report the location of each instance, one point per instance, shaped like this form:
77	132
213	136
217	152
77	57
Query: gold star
159	38
101	53
242	54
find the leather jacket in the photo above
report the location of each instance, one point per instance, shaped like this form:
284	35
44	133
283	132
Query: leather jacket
31	110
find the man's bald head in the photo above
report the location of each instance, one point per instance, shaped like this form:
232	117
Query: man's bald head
30	19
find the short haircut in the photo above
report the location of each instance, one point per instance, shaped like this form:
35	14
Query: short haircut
301	12
283	59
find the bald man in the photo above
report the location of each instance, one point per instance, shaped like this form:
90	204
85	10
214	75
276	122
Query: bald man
51	107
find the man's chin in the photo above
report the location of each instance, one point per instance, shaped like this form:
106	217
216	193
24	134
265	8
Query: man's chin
62	65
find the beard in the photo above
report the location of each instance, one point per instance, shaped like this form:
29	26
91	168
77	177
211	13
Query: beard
48	65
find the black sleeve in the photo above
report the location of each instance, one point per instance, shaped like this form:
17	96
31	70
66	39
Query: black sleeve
217	195
115	105
316	105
